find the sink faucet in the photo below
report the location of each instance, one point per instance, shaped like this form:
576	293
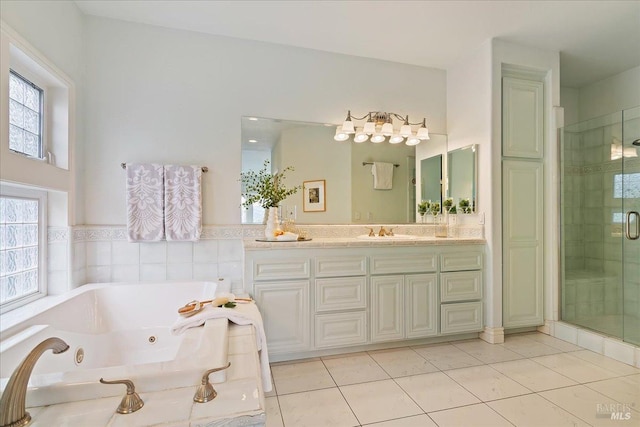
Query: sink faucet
13	402
382	232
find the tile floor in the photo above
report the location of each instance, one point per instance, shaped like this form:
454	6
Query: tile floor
530	380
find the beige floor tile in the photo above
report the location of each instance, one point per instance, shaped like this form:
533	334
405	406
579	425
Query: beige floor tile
606	362
274	391
479	415
553	342
304	376
447	356
573	367
527	347
622	389
415	421
486	383
436	391
586	404
316	408
532	375
353	369
534	411
274	417
488	353
379	401
402	362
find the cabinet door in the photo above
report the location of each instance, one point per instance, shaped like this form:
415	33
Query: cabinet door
461	317
285	312
420	305
341	329
522	118
387	300
522	246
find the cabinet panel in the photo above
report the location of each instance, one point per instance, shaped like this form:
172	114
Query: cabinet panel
342	293
419	263
276	269
460	261
285	313
387	300
421	306
460	286
341	329
522	247
461	317
341	266
522	118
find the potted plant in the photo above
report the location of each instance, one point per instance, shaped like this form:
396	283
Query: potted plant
268	190
423	207
448	204
465	206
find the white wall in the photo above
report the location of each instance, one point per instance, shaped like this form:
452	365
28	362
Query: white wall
610	95
160	95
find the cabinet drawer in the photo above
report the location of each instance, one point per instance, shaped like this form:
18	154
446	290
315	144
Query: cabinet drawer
289	268
340	329
460	286
402	264
341	266
343	293
461	261
461	317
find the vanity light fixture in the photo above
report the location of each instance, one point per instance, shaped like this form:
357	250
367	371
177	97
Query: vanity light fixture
379	126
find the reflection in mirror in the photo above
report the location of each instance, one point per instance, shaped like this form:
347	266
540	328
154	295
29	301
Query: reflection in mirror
350	195
462	175
431	179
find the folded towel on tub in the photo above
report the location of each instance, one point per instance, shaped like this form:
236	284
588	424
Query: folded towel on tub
242	314
145	218
183	202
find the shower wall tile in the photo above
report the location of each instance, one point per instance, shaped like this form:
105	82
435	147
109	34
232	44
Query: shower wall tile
125	273
179	252
182	271
205	251
98	253
230	250
207	272
99	274
153	272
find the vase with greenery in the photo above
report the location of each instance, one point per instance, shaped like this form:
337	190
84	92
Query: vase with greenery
465	206
423	207
268	190
447	204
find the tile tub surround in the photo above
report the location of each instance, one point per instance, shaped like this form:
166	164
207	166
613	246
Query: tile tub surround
240	400
522	384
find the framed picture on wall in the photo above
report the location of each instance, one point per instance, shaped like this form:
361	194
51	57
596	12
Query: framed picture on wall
315	196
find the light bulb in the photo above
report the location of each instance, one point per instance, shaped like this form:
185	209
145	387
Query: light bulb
396	139
340	135
413	140
377	138
360	137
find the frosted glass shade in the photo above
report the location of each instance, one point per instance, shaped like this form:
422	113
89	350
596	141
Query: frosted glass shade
423	133
369	128
360	137
340	135
387	129
413	140
347	127
396	139
405	130
377	138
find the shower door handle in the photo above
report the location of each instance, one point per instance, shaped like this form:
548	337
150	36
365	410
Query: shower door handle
628	226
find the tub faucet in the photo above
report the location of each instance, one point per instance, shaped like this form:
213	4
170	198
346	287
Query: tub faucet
13	402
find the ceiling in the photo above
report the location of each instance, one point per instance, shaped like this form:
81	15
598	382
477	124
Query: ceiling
596	39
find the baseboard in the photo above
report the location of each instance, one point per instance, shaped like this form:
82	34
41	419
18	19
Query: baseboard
492	335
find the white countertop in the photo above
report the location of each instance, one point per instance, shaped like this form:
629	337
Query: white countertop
240	399
340	242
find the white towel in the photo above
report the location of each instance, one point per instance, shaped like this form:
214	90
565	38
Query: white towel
183	202
242	314
145	202
382	175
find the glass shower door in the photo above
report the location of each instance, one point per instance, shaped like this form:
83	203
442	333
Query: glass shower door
631	210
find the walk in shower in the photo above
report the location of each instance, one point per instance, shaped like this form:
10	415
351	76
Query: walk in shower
600	201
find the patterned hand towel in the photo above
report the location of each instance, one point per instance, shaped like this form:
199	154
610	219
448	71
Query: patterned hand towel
145	202
183	202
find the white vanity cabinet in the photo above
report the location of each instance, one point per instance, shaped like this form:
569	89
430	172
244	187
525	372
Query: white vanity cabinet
461	291
318	300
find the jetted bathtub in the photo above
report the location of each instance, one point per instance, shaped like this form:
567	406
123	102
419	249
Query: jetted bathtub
114	331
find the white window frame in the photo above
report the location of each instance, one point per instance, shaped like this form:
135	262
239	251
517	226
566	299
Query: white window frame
41	196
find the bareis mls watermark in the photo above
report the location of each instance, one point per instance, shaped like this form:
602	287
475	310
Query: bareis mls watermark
614	411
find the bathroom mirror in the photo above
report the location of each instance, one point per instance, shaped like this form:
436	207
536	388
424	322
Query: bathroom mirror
315	155
462	175
431	179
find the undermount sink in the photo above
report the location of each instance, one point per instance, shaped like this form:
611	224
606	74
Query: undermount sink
394	237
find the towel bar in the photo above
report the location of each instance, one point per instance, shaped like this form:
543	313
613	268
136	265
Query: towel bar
370	163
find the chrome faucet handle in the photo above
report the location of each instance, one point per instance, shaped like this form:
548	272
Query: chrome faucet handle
371	233
205	391
131	402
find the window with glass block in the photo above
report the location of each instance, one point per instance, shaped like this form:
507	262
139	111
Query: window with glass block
25	116
19	249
